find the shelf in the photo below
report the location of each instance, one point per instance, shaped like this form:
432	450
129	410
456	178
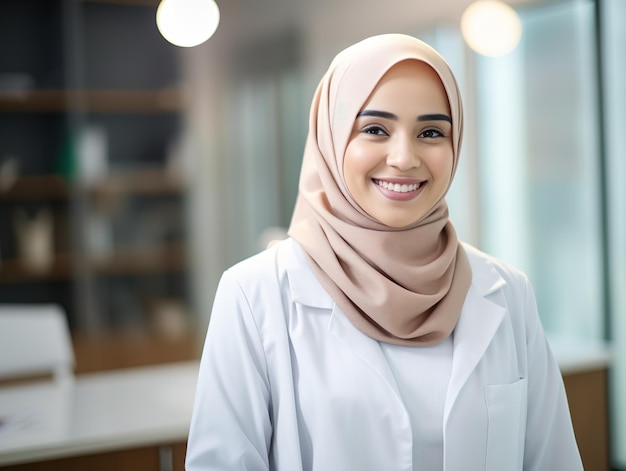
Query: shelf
142	261
14	271
36	187
92	101
40	101
135	101
124	262
151	182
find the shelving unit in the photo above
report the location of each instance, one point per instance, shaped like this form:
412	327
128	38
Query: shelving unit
117	203
36	188
92	101
142	261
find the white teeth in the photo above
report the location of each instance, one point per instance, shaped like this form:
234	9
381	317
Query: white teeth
396	186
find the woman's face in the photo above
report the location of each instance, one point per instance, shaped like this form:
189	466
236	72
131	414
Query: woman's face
399	159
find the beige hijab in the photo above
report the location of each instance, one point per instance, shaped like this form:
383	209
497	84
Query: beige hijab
404	286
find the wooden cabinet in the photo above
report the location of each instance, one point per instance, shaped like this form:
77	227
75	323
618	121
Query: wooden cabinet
169	457
92	196
587	394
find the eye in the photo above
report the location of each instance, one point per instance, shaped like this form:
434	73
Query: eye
431	134
374	130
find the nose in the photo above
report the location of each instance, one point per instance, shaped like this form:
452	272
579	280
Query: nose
403	154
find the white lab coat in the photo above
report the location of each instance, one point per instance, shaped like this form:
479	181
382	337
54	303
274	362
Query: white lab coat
287	383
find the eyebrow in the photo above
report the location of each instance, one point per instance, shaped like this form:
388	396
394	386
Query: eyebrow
387	115
435	117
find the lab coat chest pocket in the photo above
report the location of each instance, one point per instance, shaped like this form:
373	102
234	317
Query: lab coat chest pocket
506	409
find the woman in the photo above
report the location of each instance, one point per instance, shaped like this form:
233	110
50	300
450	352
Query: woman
371	338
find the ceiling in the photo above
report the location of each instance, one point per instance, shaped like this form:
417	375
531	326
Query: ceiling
242	16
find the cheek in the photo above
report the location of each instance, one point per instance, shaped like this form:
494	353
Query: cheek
441	168
357	162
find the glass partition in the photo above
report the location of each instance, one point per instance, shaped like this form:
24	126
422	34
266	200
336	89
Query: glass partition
539	164
614	61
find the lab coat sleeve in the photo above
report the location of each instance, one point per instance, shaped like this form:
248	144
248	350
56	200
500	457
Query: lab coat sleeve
550	441
230	427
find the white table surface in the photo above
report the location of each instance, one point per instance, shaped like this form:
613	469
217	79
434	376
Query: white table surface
145	406
97	412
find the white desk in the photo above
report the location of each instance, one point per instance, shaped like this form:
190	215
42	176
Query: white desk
149	406
98	412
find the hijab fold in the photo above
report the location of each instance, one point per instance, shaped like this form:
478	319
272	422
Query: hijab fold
405	285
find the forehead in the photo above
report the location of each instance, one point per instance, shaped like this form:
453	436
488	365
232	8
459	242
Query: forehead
414	78
411	66
409	84
352	78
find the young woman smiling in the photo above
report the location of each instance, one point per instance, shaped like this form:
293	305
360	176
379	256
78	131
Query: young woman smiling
372	338
398	162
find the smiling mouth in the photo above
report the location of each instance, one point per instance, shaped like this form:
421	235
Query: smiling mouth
397	187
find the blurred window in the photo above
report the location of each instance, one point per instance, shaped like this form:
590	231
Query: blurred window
614	62
539	164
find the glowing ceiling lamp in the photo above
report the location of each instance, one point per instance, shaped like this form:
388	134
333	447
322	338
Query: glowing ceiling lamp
187	23
491	27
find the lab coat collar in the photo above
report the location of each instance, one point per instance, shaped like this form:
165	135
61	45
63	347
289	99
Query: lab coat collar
307	290
480	318
305	287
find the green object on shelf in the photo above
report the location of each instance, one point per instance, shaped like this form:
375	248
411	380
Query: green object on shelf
67	159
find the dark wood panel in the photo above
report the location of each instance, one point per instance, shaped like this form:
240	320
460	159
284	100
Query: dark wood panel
95	101
587	393
124	350
143	459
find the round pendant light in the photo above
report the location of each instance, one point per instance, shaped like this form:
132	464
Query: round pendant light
491	27
187	23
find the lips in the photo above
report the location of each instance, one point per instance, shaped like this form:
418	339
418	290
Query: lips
398	187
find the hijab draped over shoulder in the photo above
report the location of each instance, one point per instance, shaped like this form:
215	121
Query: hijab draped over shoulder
404	285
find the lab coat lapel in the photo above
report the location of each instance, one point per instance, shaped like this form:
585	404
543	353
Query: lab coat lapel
480	318
364	347
477	324
306	290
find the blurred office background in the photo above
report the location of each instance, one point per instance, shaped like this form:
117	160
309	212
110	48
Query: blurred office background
133	172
